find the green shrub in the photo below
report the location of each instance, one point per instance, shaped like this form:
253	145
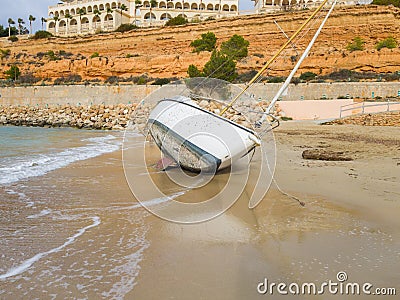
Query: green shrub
275	79
220	66
112	80
389	43
126	27
94	55
5	53
356	45
307	76
13	38
193	71
131	55
13	73
295	80
28	79
51	55
142	80
161	81
179	20
42	34
387	2
206	43
235	48
73	78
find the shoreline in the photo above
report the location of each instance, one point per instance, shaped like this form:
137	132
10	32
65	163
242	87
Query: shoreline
349	223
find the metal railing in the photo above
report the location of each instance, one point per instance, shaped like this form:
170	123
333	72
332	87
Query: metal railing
388	105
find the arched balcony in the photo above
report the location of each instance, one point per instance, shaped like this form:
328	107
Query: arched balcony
149	16
165	17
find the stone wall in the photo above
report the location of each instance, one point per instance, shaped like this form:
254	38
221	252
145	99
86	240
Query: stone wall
100	94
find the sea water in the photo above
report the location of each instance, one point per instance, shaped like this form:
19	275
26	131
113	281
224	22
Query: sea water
67	229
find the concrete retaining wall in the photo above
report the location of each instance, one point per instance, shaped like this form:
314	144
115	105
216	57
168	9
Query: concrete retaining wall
74	95
292	103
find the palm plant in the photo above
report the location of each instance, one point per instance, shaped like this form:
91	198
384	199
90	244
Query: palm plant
153	3
55	18
97	13
10	22
68	17
80	12
138	4
31	19
20	22
123	8
44	20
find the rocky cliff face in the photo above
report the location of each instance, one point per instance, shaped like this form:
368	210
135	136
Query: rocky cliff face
165	52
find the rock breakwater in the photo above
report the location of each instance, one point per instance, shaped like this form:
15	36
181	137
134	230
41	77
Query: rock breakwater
101	116
376	119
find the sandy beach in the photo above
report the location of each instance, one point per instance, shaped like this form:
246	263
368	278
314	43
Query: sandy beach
349	223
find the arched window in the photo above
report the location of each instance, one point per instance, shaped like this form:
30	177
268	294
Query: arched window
217	7
62	14
67	12
73	12
225	7
170	4
52	25
210	7
62	23
162	5
202	6
85	20
96	19
108	17
101	7
113	5
146	4
194	6
165	17
178	5
95	7
74	22
233	8
90	9
186	5
147	16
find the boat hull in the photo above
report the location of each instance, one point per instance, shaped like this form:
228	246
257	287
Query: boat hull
197	139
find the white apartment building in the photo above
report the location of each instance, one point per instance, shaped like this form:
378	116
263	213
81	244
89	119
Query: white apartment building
277	5
72	17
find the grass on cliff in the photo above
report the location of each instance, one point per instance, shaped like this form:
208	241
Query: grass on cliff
387	2
389	43
41	34
356	45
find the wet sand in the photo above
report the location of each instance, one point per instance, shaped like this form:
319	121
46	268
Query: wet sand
350	223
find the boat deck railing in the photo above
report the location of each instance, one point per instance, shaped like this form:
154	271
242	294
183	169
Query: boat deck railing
368	107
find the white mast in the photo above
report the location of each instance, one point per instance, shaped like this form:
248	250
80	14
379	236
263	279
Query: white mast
296	67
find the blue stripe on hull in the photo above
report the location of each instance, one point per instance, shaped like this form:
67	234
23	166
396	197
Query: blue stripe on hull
212	161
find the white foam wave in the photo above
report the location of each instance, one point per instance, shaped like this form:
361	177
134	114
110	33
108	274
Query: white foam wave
38	165
44	212
21	196
155	201
29	262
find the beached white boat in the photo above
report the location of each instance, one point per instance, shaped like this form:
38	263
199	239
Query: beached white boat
199	140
